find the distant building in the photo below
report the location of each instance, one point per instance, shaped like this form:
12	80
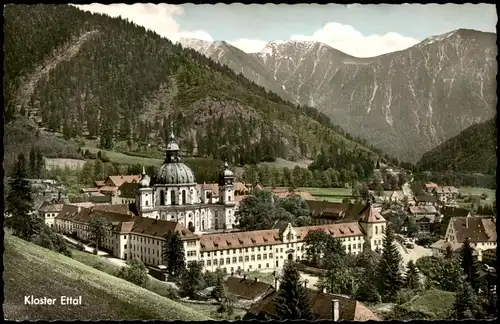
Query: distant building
248	291
427	217
429	187
446	194
324	307
425	200
481	232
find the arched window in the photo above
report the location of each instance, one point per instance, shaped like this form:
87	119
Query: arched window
147	202
172	197
376	230
162	198
183	197
228	198
202	225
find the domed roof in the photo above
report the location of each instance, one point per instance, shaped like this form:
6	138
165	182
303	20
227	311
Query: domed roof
173	171
227	172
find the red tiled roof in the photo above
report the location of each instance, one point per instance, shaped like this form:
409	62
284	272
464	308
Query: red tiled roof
108	189
235	240
154	227
222	241
100	183
117	181
337	230
370	215
430	185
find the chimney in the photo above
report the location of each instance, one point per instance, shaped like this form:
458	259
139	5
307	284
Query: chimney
256	280
276	284
245	276
335	310
79	208
466	222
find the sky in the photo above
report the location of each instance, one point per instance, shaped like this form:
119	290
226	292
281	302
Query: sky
358	30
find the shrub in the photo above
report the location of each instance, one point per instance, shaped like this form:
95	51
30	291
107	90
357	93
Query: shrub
404	296
484	196
136	272
163	289
80	247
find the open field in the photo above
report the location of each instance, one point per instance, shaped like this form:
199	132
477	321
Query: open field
436	302
33	270
122	158
328	194
327	191
210	310
472	191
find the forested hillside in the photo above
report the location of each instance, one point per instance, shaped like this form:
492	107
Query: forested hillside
473	150
91	76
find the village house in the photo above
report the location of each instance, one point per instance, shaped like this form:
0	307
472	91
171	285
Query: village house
248	291
489	256
324	307
448	213
446	194
325	212
425	200
427	217
131	235
429	188
49	211
481	232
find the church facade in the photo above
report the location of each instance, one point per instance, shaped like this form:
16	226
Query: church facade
173	195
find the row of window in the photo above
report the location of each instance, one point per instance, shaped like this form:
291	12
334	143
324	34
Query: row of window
247	258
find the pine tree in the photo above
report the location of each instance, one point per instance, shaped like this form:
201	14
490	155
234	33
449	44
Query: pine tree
219	291
191	280
448	253
389	272
465	304
32	164
469	264
19	203
292	301
98	227
412	277
173	254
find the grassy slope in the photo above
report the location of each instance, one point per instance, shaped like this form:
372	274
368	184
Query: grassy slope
32	270
433	301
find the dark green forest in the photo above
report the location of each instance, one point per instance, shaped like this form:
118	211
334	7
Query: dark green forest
473	150
115	82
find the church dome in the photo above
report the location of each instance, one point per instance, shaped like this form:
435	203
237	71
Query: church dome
173	171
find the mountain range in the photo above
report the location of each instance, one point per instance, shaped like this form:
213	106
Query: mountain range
404	103
78	76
